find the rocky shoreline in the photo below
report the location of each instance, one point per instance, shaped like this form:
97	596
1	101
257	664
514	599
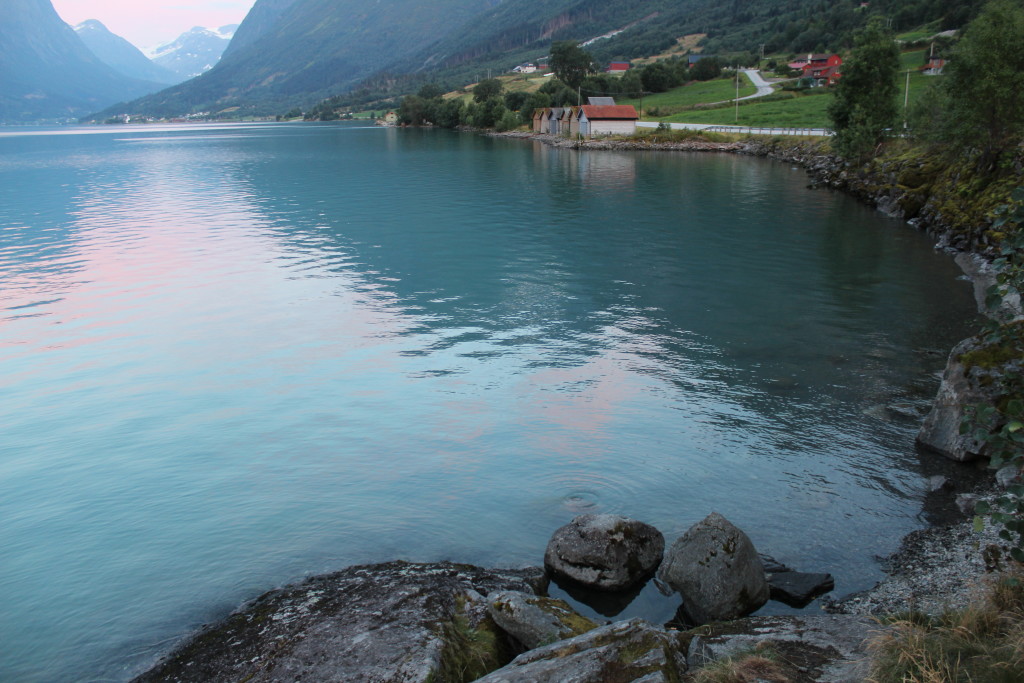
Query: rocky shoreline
445	622
429	623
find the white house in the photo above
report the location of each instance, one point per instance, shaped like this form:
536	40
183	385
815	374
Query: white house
614	119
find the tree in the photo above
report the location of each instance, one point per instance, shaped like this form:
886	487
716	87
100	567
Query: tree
865	104
706	69
657	77
431	91
486	89
983	98
514	100
571	63
537	100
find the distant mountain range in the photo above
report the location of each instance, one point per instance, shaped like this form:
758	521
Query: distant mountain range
194	52
46	71
290	52
118	53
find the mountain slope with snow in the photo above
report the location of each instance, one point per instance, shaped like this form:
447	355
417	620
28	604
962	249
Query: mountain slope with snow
193	52
118	53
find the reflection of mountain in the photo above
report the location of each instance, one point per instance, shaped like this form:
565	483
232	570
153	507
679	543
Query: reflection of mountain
689	266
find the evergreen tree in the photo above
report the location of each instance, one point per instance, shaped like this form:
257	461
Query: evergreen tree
865	104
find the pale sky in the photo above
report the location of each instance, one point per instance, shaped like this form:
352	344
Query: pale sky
148	23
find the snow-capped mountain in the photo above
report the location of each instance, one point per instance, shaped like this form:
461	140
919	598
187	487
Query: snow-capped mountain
194	51
116	52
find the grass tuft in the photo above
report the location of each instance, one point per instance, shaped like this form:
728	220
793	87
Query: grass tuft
983	643
761	664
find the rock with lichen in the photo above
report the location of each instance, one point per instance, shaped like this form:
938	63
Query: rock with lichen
717	571
631	650
971	378
389	622
534	620
606	552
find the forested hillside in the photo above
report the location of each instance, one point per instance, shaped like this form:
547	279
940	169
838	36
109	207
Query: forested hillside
523	31
291	53
295	51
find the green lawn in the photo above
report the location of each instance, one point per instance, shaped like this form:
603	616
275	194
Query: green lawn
700	92
806	111
912	60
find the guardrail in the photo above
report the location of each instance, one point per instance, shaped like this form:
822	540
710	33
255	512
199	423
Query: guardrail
753	130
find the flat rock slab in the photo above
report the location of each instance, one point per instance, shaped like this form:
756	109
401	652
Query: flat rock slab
624	651
822	649
799	588
373	623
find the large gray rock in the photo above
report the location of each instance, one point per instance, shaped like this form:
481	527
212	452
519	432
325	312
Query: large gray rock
390	622
940	431
717	571
826	649
607	552
533	620
623	651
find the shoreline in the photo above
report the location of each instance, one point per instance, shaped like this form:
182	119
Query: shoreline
941	565
934	568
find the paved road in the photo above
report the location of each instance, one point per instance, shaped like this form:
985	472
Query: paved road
763	86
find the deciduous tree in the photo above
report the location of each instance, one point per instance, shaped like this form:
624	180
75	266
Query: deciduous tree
865	104
486	89
571	63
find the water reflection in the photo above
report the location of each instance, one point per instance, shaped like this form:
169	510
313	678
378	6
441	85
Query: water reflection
272	351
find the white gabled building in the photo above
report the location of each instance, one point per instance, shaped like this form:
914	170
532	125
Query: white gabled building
613	119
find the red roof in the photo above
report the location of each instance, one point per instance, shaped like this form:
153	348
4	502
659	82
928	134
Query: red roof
610	111
618	66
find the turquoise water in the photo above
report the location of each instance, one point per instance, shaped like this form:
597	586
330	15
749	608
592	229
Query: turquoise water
231	356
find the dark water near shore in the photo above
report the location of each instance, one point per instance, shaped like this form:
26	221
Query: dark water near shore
231	356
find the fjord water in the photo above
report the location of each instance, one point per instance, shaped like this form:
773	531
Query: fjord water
231	356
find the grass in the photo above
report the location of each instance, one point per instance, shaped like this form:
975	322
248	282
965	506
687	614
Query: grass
760	664
912	59
983	643
687	43
700	92
779	111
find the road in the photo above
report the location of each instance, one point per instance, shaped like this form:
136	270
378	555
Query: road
763	86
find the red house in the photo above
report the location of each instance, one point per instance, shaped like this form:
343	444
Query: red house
824	69
618	67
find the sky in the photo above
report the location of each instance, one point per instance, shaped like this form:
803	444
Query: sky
148	23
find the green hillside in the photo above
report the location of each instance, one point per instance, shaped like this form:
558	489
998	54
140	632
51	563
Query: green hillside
292	53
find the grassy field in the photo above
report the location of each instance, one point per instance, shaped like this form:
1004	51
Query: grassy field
801	111
700	92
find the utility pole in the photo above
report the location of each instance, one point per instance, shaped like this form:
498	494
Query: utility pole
906	99
737	93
